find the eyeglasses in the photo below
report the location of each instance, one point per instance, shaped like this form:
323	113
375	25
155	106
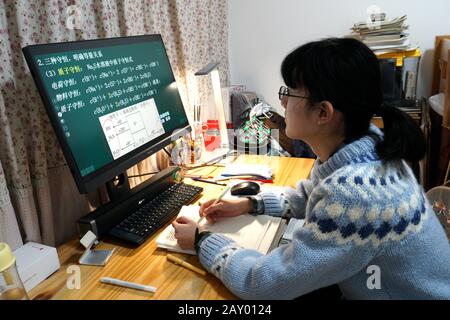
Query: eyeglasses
284	92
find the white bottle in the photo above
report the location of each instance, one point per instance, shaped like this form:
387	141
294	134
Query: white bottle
11	286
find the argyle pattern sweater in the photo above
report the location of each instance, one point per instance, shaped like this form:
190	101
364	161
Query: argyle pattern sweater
362	214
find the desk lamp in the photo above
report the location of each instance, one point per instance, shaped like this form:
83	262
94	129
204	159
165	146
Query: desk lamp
211	68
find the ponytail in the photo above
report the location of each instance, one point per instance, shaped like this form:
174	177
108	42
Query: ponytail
403	138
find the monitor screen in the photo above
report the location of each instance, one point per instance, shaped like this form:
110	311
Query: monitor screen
112	102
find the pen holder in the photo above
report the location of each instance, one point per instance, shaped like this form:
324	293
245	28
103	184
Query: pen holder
196	143
188	150
181	154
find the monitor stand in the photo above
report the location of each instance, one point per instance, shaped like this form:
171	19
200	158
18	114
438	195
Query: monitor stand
118	187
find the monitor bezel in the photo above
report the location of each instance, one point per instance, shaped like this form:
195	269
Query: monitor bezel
92	181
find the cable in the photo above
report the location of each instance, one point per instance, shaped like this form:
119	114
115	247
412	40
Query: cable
144	174
168	153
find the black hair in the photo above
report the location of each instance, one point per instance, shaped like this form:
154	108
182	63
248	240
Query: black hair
345	72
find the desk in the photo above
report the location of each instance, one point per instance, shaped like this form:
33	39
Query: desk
147	264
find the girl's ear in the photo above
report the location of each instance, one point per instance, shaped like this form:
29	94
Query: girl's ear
326	112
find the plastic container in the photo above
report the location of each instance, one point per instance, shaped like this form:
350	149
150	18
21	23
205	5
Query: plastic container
211	135
197	144
11	286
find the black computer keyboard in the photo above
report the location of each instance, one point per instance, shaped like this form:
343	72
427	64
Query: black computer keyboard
156	213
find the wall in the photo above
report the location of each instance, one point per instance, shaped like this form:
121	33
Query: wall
262	32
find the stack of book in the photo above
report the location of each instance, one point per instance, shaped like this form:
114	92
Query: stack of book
415	112
383	36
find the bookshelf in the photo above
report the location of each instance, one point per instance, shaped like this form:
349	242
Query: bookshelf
414	112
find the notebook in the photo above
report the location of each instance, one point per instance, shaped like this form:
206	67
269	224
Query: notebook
251	232
293	225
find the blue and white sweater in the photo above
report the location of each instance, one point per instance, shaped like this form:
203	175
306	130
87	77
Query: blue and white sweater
362	216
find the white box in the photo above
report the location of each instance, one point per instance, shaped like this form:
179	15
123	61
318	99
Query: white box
35	263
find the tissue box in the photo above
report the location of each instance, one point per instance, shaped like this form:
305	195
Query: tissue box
35	263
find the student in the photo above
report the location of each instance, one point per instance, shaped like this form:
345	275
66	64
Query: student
369	228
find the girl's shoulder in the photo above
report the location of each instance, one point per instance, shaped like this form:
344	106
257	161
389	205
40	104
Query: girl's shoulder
373	175
367	202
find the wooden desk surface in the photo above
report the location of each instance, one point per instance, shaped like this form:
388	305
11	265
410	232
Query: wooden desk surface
147	264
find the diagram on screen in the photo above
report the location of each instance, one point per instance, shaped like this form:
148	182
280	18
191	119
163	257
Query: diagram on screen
129	128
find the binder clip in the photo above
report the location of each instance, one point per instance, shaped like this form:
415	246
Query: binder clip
93	257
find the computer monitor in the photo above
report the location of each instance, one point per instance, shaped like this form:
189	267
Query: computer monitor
112	102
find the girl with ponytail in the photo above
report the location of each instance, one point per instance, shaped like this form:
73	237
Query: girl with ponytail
364	210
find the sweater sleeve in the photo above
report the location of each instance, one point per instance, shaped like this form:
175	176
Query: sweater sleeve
317	257
288	203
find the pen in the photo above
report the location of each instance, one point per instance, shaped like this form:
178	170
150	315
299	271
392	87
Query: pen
257	180
217	200
221	196
185	264
208	181
127	284
197	176
242	176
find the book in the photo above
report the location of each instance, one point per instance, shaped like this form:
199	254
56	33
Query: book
384	36
260	232
293	225
396	23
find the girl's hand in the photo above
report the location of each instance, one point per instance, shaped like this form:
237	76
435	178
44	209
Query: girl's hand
185	232
225	208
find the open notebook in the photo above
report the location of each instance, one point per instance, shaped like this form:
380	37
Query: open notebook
261	233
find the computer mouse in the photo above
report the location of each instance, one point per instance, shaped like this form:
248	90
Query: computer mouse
247	188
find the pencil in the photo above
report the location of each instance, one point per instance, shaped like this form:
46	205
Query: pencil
185	264
217	200
221	196
208	181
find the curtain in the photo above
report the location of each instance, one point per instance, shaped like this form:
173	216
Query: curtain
37	193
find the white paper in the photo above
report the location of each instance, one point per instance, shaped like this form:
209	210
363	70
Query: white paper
251	232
